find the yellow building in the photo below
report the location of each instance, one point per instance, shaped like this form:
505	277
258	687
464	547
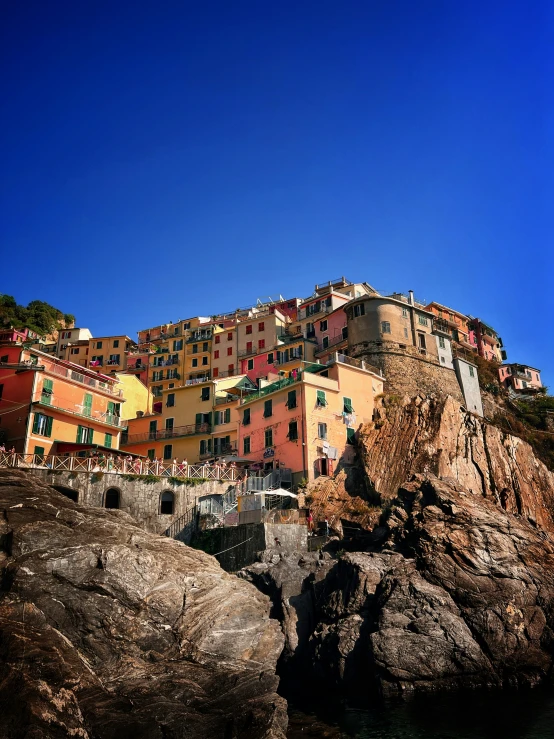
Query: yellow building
137	396
76	352
109	353
198	421
224	350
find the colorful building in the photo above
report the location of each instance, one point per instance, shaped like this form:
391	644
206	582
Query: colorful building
70	336
486	340
224	349
453	323
54	407
520	377
307	423
109	353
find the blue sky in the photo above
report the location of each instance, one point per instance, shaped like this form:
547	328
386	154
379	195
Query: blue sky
164	160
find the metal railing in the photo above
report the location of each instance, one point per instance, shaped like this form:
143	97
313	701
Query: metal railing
343	359
119	465
332	342
283	382
197	380
176	431
76	376
84	413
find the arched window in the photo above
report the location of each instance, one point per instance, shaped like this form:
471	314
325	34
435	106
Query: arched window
112	498
166	502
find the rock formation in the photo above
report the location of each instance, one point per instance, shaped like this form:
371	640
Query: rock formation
461	594
107	631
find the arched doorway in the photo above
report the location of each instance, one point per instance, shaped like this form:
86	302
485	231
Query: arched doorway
167	501
68	492
111	499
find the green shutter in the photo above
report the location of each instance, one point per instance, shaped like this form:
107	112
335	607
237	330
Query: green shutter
209	418
91	436
36	419
87	405
108	441
49	422
46	396
227	415
348	405
268	408
246	417
79	434
216	418
351	436
321	400
198	419
291	402
111	407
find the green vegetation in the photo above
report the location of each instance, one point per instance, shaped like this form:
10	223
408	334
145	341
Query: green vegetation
530	421
38	316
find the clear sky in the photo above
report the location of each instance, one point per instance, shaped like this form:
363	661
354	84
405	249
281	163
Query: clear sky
167	159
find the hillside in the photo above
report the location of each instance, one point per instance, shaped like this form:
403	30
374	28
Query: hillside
38	316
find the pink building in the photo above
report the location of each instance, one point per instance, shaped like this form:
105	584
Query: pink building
331	334
520	377
13	335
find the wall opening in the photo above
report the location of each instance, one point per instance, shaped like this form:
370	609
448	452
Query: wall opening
167	501
68	492
111	499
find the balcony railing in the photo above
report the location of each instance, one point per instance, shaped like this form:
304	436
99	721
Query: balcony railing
119	465
332	342
177	431
195	338
70	374
251	351
78	410
306	313
197	380
283	382
360	363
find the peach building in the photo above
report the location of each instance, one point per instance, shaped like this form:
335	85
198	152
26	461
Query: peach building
109	353
520	377
308	423
454	323
54	407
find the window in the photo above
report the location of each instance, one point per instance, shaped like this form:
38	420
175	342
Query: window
205	393
230	336
170	402
350	436
47	390
359	310
246	417
248	347
246	445
186	326
116	344
227	416
231	369
291	399
178	345
194	364
216	372
249	329
151	453
217	339
310	330
99	345
323	325
443	360
261	344
1	390
293	431
108	440
204	361
229	351
471	371
216	354
75	351
205	346
422	320
166	503
270	358
195	348
97	361
405	333
261	326
42	425
322	430
39	451
66	334
269	437
404	313
385	327
153	427
325	342
250	364
321	399
268	409
168	451
87	405
114	359
347	405
84	435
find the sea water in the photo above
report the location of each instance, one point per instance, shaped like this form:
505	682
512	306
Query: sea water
526	714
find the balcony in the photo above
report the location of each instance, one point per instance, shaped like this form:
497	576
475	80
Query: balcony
83	412
225	449
313	312
70	374
137	367
343	359
202	336
162	434
249	352
335	341
197	380
443	327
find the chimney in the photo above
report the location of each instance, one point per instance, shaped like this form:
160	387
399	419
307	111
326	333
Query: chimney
411	298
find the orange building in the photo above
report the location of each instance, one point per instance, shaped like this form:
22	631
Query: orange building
49	406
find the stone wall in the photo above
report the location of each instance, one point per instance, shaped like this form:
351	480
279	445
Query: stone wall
408	372
138	498
238	546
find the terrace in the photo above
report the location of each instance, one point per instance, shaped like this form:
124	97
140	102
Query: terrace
60	370
162	434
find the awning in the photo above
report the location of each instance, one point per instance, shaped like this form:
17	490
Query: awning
277	491
228	458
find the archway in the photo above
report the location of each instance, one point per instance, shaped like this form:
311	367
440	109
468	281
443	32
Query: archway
111	499
68	492
167	501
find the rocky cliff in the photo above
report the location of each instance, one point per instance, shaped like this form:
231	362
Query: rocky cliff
438	436
459	593
107	631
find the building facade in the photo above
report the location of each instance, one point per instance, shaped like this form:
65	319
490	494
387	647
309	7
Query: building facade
520	378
